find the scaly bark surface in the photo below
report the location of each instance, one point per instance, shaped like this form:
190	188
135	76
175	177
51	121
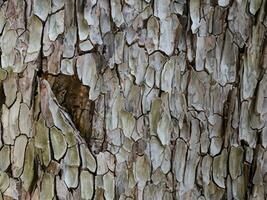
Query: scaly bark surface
133	99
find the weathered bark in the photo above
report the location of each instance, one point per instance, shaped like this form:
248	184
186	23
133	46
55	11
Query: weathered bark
133	99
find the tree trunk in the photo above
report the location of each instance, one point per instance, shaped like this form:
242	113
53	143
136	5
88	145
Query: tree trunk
133	99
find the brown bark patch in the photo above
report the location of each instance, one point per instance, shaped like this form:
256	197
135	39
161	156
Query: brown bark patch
73	96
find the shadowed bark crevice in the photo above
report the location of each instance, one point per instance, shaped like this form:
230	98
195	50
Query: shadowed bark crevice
2	97
72	95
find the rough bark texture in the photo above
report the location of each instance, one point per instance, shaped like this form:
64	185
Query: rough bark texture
133	99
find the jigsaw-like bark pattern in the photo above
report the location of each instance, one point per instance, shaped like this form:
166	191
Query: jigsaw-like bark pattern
133	99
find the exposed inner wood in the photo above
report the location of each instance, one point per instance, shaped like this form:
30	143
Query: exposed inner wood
72	95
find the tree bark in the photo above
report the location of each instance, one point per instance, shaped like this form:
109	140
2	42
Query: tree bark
133	99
